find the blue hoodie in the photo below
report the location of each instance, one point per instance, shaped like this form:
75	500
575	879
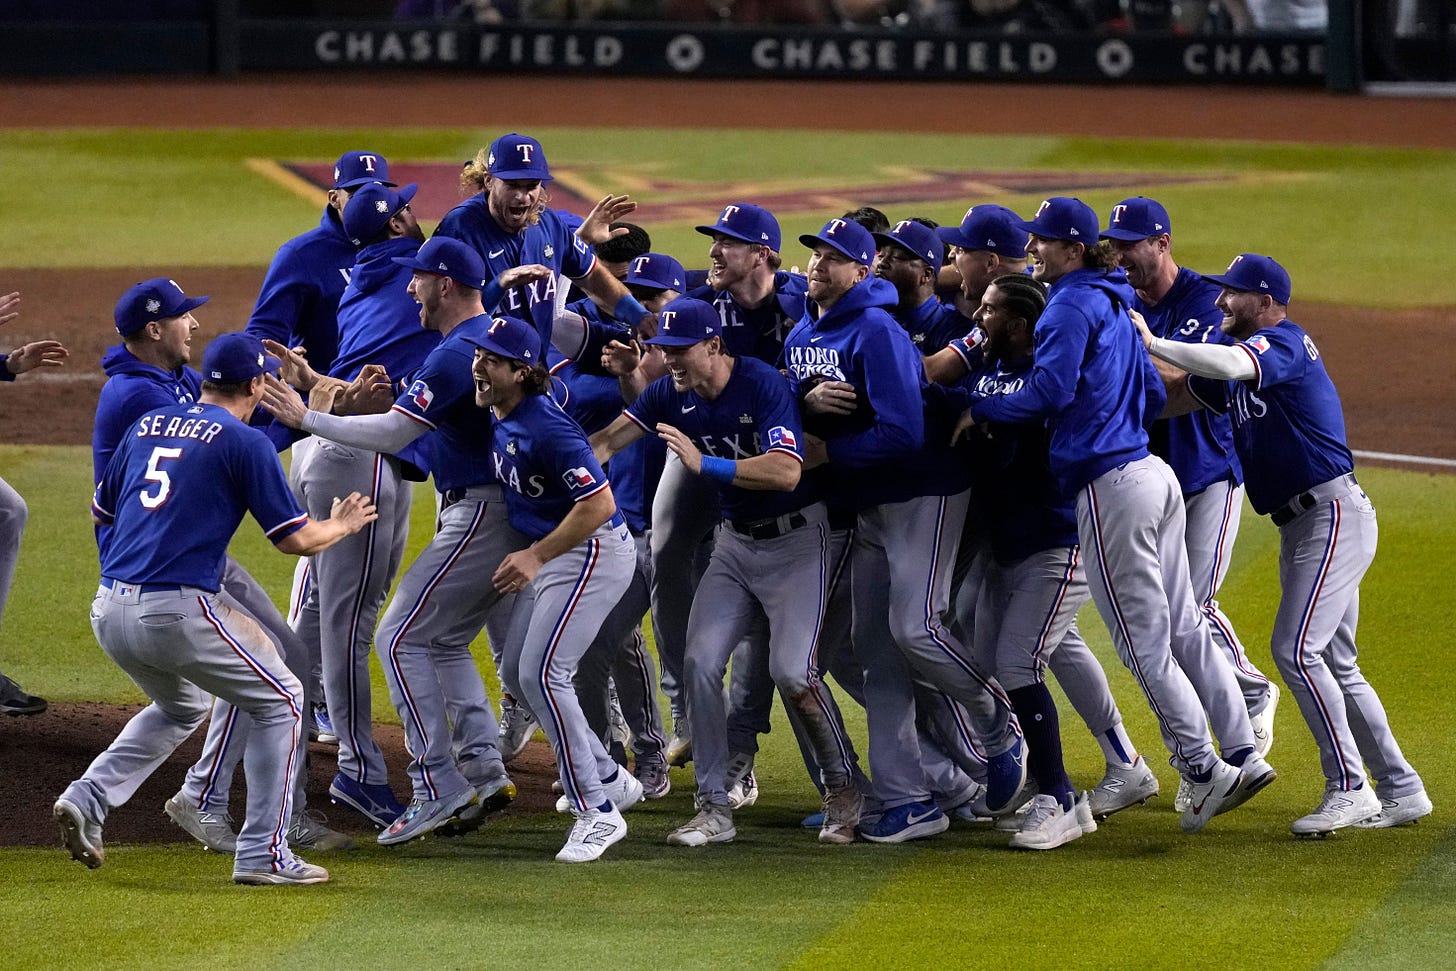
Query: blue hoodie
877	454
299	300
1092	381
132	389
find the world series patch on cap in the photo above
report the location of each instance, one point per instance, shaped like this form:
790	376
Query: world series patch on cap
150	300
371	209
516	156
360	168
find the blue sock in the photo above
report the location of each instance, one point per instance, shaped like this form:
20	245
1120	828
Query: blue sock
1037	713
605	807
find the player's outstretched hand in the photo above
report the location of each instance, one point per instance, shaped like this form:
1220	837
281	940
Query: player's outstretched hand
36	354
296	370
963	426
830	398
371	393
8	304
282	402
518	275
682	447
619	358
1141	324
353	512
597	226
517	570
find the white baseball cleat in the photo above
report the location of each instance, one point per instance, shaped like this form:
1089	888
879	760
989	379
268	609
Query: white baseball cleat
1263	723
1184	797
842	808
295	871
1399	811
1254	775
1123	786
712	824
591	834
517	724
625	790
1047	825
1338	809
213	830
80	833
1208	799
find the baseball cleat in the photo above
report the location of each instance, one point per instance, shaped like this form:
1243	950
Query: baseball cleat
213	830
591	834
712	824
424	816
813	820
1011	822
1123	786
1083	809
375	803
490	798
1338	809
321	727
1047	825
1208	799
842	808
1399	811
79	833
1263	723
1184	797
679	749
1005	778
744	792
911	821
295	871
1254	775
623	789
14	700
652	773
309	832
517	725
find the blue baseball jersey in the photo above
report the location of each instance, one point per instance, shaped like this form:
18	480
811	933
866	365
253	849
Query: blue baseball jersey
1015	498
132	389
441	397
933	325
1092	380
881	452
550	242
542	458
299	299
1199	446
759	332
754	415
601	329
1289	427
176	490
594	401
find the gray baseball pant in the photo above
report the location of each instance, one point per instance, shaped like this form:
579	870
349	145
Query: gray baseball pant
13	516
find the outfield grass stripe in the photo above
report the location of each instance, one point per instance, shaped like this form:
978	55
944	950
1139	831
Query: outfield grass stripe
1404	459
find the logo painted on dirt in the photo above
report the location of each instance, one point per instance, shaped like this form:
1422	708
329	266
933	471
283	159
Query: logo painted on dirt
661	199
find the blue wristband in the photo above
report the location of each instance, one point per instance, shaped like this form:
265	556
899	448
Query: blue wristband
719	470
629	310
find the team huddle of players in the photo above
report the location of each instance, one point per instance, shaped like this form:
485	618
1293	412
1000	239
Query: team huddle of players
906	468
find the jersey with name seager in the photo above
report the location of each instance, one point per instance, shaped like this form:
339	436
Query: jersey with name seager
755	414
551	242
1289	427
543	460
441	396
176	490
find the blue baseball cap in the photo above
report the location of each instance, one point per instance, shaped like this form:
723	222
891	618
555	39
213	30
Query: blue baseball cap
849	237
1062	217
360	168
444	256
995	229
1253	273
1138	218
235	357
656	271
919	240
516	156
510	337
748	223
371	209
686	321
154	299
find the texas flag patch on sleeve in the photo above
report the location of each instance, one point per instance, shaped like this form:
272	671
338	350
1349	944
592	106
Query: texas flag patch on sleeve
579	477
1259	344
781	437
421	395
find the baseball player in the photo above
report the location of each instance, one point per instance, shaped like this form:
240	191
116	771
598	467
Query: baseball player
1289	430
910	257
1034	582
443	600
509	224
732	422
147	371
860	378
579	563
174	494
379	324
298	306
1178	304
13	512
1094	386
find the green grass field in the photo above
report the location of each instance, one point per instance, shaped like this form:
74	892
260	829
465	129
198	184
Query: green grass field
1137	894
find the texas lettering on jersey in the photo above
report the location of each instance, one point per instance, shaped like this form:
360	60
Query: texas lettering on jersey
508	474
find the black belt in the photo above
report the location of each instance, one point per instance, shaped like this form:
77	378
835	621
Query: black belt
771	528
111	584
1306	501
